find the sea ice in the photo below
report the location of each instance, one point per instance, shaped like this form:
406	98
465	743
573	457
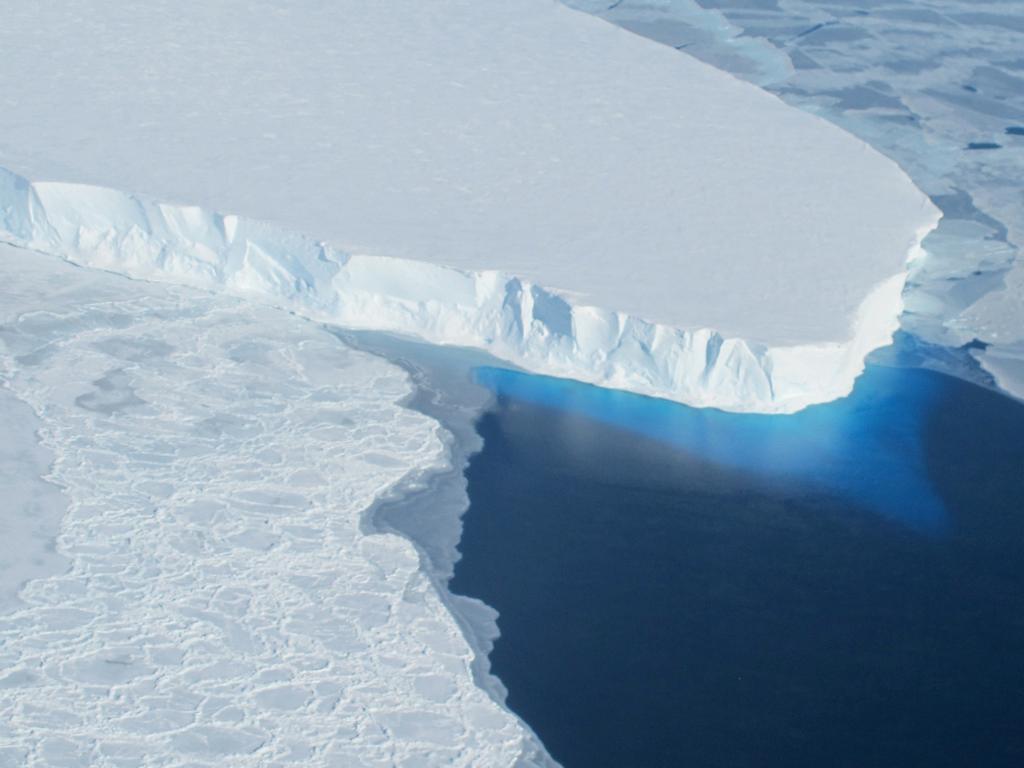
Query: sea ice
213	611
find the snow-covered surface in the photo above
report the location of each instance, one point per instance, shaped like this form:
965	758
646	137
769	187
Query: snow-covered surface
221	602
939	87
516	136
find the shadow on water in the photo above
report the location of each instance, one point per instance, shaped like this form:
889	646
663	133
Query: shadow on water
842	587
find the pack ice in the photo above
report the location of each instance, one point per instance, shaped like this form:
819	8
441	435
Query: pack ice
219	600
514	176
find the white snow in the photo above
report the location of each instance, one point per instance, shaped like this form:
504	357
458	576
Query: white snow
614	211
222	603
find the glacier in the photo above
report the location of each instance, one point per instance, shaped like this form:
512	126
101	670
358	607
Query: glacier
518	177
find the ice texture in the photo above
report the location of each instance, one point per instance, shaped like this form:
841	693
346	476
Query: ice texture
223	603
583	201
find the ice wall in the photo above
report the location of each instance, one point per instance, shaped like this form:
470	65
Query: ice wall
509	317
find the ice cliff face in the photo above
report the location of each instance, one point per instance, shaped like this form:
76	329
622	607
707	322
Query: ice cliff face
513	319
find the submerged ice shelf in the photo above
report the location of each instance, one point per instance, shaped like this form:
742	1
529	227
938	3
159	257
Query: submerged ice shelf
529	179
221	602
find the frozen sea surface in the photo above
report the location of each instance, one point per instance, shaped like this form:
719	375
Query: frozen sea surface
221	600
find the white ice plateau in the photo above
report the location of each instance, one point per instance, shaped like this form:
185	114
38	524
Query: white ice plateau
515	176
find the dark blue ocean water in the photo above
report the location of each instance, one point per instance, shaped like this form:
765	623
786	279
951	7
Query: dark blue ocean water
680	587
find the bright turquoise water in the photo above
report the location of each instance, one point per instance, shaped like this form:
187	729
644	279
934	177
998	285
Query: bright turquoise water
682	587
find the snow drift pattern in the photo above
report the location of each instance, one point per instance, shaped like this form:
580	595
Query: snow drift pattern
511	318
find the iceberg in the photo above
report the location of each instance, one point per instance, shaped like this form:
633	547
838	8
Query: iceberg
518	177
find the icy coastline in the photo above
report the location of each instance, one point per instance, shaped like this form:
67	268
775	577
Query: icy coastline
511	318
428	506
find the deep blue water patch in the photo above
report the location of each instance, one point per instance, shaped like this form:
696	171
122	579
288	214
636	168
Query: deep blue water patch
842	587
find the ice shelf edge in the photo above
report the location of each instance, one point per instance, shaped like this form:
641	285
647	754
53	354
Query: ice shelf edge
525	324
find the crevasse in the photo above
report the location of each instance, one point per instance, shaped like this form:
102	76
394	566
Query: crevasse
525	324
